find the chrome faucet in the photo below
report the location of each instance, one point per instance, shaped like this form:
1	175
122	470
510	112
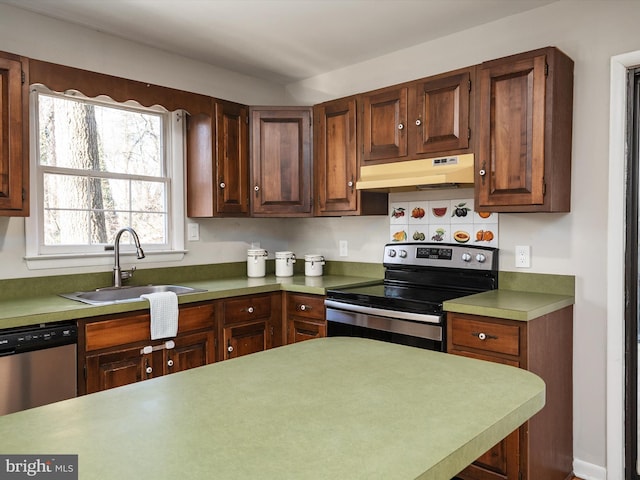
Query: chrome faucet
118	274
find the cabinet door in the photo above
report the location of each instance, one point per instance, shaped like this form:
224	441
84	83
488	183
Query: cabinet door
336	163
335	160
200	172
501	462
190	351
499	341
511	154
281	170
441	118
384	125
246	339
232	158
117	368
14	134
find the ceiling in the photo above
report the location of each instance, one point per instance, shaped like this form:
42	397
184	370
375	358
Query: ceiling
281	41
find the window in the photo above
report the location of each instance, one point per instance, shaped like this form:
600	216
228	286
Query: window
99	166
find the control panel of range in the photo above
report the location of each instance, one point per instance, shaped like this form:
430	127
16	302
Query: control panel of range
441	255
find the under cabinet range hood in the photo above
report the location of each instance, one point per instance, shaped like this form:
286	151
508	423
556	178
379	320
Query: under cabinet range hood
418	174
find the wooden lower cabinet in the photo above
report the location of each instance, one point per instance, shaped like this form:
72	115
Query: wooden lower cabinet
304	316
118	350
250	324
542	448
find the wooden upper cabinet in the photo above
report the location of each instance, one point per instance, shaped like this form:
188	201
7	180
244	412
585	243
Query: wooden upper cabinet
281	169
336	163
232	158
384	125
425	118
523	162
218	161
440	113
14	135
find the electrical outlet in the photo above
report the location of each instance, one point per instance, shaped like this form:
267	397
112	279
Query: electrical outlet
344	248
523	256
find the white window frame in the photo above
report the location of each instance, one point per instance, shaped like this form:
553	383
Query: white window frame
38	256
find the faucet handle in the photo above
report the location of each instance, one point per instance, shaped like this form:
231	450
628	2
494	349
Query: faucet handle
127	274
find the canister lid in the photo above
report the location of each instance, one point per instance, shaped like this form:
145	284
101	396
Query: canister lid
313	257
284	254
257	252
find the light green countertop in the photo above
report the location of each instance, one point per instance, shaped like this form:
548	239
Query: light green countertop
17	312
320	409
509	304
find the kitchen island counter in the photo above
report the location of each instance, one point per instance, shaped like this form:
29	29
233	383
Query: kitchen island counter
321	409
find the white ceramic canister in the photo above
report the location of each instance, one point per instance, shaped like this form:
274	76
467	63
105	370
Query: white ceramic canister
256	262
284	264
313	265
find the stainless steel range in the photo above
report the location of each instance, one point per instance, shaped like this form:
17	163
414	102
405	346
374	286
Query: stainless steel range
406	307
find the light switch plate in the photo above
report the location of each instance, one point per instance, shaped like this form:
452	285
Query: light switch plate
344	248
193	232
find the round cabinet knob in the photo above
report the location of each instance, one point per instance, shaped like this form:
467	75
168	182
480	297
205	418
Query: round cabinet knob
149	370
392	252
403	254
482	336
350	183
250	309
303	307
223	185
482	172
230	348
256	188
480	258
169	363
400	126
418	122
466	257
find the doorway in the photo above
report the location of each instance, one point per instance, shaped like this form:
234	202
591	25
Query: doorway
632	280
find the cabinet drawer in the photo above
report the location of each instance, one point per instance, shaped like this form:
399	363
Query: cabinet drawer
492	337
307	306
123	330
245	309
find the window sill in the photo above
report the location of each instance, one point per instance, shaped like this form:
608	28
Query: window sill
43	262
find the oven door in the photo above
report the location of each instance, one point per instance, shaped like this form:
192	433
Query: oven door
416	330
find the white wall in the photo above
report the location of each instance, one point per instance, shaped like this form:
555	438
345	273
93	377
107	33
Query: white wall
590	32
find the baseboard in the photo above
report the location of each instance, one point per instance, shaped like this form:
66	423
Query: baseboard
588	471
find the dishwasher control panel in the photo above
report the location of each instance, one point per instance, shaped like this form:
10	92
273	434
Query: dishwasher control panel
37	337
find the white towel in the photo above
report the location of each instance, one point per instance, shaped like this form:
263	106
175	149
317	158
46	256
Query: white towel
164	314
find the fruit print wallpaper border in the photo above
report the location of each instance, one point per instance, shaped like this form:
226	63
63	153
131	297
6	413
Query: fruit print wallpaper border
446	221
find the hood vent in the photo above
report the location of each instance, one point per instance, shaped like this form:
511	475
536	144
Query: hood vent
445	172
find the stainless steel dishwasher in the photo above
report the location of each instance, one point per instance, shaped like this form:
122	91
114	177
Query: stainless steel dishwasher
38	365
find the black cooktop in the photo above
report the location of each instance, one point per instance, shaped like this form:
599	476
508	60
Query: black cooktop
396	297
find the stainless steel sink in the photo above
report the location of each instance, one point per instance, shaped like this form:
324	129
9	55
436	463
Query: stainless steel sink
104	296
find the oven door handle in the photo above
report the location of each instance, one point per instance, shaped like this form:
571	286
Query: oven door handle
416	317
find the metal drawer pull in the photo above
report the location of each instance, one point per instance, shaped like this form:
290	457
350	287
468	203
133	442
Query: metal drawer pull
484	336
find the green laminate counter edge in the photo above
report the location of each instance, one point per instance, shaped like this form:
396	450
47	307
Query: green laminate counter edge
509	304
521	296
320	409
19	312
